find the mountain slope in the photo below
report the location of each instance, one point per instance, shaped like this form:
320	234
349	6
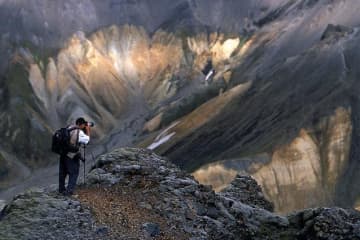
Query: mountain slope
282	105
303	79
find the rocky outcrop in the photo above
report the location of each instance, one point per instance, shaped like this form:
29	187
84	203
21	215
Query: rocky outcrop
133	193
38	214
326	223
246	190
193	208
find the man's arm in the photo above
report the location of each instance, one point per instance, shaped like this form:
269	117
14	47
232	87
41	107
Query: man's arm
87	130
84	138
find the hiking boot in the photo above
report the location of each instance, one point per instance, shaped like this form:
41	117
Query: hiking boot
61	192
68	194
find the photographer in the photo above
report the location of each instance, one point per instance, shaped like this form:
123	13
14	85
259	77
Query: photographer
70	162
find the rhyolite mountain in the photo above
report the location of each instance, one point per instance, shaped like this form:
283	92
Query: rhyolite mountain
282	107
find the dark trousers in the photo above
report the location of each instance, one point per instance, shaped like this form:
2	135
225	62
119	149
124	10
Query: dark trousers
68	166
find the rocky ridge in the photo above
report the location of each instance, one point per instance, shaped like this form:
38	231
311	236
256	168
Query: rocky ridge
135	194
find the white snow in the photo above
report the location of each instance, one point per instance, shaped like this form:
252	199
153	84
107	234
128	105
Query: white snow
163	137
160	141
209	75
2	204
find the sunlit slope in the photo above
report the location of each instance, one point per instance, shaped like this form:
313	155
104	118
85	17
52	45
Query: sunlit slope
115	77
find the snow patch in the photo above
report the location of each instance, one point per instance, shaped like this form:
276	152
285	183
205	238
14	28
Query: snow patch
160	141
163	137
2	204
209	75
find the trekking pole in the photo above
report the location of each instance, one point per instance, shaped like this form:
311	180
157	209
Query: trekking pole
84	163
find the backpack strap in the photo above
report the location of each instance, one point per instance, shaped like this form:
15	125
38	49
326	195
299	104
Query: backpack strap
77	137
72	128
73	148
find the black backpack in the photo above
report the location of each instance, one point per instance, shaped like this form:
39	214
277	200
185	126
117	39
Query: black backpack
61	141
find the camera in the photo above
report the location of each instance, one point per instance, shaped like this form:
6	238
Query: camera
90	124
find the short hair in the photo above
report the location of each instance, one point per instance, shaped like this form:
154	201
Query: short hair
80	121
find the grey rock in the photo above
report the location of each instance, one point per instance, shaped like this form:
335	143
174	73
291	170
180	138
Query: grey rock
100	176
203	214
43	216
146	205
246	190
151	229
308	214
102	230
213	212
132	169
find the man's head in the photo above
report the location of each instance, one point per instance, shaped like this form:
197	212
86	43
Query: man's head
80	122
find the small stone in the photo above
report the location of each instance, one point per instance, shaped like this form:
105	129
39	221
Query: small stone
213	213
102	230
151	229
132	169
145	205
116	168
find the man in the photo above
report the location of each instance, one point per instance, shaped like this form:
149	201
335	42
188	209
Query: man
70	162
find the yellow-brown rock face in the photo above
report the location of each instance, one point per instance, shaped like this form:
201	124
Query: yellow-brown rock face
106	75
303	173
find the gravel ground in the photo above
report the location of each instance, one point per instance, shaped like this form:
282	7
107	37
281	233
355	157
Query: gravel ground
125	210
